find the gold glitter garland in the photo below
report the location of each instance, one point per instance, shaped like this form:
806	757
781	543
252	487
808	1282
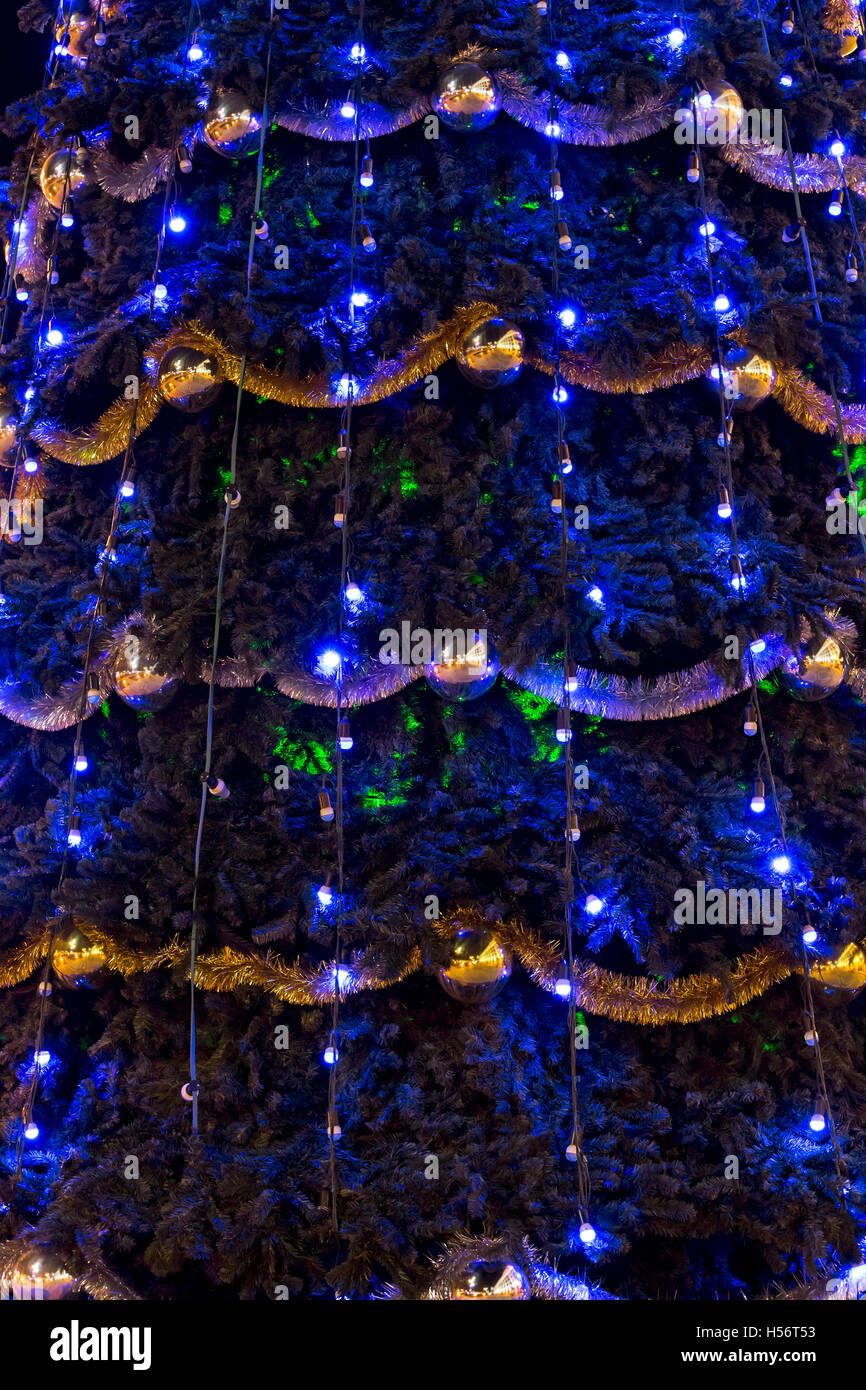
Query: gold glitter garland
625	998
672	365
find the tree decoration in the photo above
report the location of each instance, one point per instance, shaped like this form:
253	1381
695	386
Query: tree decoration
139	676
720	110
466	677
33	1274
815	670
8	431
490	1281
189	378
477	967
230	126
75	32
844	971
467	98
64	172
491	354
747	378
76	959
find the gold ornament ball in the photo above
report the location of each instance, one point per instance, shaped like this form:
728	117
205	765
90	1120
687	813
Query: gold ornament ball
477	967
76	31
40	1275
845	971
815	671
466	98
8	432
720	111
465	675
847	45
189	378
230	126
64	171
747	378
140	678
490	1281
492	354
76	960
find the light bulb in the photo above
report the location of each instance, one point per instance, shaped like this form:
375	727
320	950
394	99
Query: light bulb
563	989
570	677
559	395
330	1056
358	52
786	80
587	1232
159	291
757	646
329	660
177	222
365	178
563	61
758	803
721	304
353	594
781	864
676	38
553	130
127	488
593	904
347	110
706	228
54	337
563	727
817	1123
325	895
360	298
595	595
567	317
32	1131
31	465
344	737
810	936
837	148
342	976
724	510
42	1058
835	208
195	52
73	838
81	764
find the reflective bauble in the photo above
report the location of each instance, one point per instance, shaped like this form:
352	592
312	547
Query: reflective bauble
492	1280
231	126
8	432
53	178
747	379
720	111
815	670
76	960
845	971
140	678
477	967
492	354
189	378
466	98
39	1275
464	677
76	32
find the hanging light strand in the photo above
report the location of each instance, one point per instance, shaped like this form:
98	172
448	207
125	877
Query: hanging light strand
209	782
571	866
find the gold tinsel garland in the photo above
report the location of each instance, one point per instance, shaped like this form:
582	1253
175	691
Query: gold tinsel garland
625	998
672	365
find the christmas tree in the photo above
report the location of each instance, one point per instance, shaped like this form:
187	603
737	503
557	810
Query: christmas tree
432	748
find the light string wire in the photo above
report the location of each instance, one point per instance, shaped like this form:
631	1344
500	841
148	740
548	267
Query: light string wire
57	920
230	499
339	816
765	760
838	1159
575	1148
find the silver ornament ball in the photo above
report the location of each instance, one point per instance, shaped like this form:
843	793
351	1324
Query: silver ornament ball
140	678
747	378
465	675
477	967
815	670
189	378
63	173
492	353
230	126
490	1281
466	98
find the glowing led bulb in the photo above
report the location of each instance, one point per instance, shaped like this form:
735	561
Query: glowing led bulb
595	595
781	864
177	222
593	904
325	895
809	936
818	1123
330	1056
329	660
31	465
54	336
837	148
42	1058
721	304
127	488
360	298
81	764
587	1232
567	317
347	110
706	228
676	38
32	1131
563	989
195	52
559	395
